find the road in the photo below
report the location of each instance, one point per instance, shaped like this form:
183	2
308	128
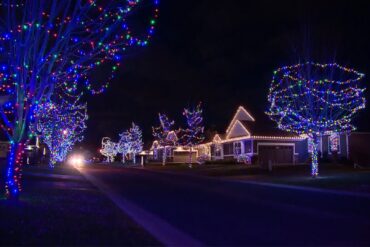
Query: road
219	212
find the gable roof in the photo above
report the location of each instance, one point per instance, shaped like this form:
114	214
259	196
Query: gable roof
238	129
265	130
242	115
243	125
217	138
172	136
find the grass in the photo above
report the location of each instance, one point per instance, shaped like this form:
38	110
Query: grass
218	170
331	177
55	211
337	177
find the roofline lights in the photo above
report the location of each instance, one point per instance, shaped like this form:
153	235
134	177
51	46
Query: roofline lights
240	108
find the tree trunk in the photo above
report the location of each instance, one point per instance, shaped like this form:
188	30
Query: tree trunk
52	159
134	158
123	158
190	155
164	156
155	153
14	169
51	165
314	157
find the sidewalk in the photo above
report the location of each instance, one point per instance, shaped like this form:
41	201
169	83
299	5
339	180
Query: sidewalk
61	208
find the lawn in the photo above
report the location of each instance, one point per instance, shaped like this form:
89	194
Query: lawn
65	211
337	177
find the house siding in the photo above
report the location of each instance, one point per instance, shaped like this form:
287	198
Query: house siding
241	130
213	150
228	148
301	154
248	146
343	146
251	146
300	148
325	146
359	143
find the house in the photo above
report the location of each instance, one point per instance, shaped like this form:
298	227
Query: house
250	140
359	143
176	153
246	138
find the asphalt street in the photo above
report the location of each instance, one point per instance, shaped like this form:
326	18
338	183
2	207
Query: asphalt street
219	212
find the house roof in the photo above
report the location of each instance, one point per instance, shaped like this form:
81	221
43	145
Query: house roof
238	129
241	114
262	130
244	125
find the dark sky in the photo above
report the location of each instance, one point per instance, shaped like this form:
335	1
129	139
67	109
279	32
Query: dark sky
223	53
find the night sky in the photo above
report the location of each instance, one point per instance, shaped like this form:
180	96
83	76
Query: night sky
223	53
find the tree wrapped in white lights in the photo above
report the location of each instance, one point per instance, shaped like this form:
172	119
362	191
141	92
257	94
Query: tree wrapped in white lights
136	141
109	149
194	133
124	145
60	126
315	99
164	135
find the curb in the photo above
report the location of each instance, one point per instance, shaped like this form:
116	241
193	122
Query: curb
57	176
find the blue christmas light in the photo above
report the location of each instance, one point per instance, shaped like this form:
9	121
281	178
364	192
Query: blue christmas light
52	49
315	99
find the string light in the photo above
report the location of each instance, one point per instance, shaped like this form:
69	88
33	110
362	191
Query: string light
240	110
334	142
315	99
135	141
241	125
14	170
282	138
55	49
109	149
60	126
124	144
194	133
130	142
164	135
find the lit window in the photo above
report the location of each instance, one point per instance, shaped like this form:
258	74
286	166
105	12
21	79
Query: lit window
218	148
237	148
334	142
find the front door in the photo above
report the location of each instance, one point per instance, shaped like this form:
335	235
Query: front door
237	148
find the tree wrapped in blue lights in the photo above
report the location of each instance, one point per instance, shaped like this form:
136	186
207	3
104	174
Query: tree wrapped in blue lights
314	100
58	45
164	135
194	133
60	127
124	144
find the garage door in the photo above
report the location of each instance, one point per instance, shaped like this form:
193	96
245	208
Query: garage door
183	157
277	154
